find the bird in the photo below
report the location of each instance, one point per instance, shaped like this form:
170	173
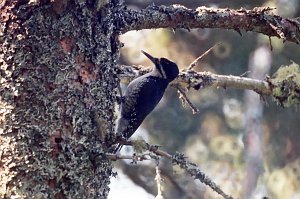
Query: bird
142	96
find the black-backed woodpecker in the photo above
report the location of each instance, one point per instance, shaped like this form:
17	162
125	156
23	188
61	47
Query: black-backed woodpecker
143	94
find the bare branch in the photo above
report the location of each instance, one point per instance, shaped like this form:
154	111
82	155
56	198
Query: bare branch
155	149
176	16
198	80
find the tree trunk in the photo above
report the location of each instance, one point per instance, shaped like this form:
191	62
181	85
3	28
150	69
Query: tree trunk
58	80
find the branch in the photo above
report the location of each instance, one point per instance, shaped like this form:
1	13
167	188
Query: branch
159	181
178	159
194	63
135	158
144	175
185	99
194	171
198	80
191	168
176	16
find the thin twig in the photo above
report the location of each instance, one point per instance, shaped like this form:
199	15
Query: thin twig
153	148
270	44
185	98
245	73
159	180
134	157
194	63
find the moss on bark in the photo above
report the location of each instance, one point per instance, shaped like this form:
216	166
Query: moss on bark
58	75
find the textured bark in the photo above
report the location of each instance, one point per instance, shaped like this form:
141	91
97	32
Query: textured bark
58	77
176	16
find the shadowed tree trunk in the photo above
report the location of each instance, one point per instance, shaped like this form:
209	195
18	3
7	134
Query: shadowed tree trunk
58	74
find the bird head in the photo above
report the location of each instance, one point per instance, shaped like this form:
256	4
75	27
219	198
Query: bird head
166	68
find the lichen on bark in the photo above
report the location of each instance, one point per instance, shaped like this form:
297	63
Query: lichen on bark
286	85
58	73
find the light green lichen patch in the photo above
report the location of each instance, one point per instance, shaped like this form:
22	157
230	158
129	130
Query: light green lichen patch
139	145
286	85
58	73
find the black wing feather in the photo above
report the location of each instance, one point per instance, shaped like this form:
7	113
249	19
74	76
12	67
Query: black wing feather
141	97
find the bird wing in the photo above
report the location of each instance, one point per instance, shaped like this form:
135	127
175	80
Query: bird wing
141	97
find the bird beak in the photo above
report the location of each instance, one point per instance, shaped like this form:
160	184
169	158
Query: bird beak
153	59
